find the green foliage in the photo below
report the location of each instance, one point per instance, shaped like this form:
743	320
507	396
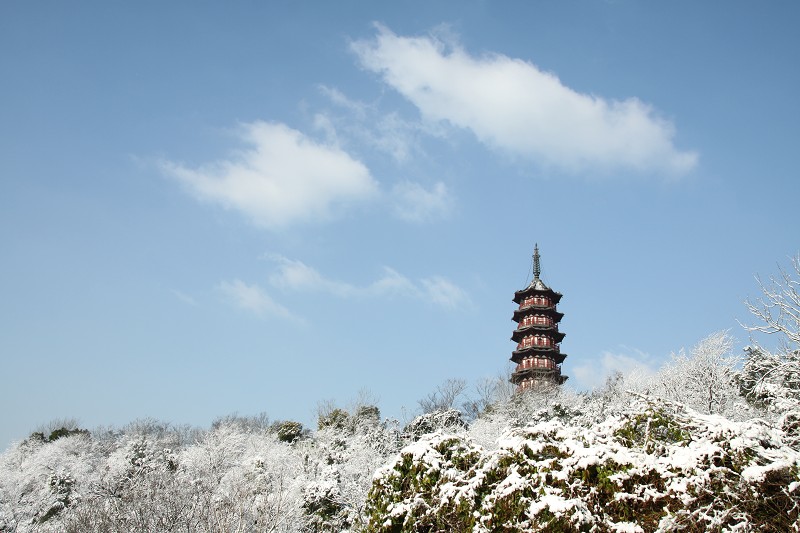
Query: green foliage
64	432
411	477
61	486
323	509
336	419
37	437
449	419
289	431
652	429
368	413
40	438
657	467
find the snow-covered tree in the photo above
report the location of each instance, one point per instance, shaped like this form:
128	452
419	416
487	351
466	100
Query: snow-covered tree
346	450
778	309
42	481
705	379
772	380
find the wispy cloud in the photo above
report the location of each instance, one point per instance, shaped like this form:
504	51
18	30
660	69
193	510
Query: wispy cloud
445	293
393	284
282	178
252	298
632	363
185	298
415	203
296	275
369	125
291	274
513	106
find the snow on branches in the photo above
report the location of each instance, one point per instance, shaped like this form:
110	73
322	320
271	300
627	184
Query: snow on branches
655	467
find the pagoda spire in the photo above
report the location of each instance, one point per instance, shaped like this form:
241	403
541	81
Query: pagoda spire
537	269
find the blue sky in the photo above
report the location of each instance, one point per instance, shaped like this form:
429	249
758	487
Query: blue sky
248	207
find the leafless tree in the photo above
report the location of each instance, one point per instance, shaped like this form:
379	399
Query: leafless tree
778	309
773	379
446	396
703	379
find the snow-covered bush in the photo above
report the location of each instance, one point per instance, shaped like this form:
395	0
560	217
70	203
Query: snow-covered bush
429	422
340	461
41	481
655	467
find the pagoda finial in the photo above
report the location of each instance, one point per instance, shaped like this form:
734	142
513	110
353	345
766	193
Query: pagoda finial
536	268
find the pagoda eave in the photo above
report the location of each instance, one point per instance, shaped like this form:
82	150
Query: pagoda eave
550	331
543	379
524	373
546	310
538	351
532	291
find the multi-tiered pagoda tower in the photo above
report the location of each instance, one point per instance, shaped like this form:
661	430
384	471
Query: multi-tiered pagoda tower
538	354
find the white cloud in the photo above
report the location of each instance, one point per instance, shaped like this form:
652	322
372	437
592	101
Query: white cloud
282	178
291	274
296	275
511	105
443	292
252	298
634	365
393	283
414	203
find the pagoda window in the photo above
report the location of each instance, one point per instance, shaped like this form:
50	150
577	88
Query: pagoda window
540	301
539	320
540	340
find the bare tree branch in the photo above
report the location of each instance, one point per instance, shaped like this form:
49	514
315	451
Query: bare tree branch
778	309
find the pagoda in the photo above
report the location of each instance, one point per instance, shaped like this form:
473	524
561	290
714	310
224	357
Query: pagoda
538	354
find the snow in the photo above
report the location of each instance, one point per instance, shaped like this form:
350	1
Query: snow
626	527
552	459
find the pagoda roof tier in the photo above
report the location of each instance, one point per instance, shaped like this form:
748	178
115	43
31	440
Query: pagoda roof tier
559	379
549	331
523	373
538	310
530	372
537	288
538	351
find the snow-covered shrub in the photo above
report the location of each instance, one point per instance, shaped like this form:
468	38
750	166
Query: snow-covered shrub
655	467
771	381
42	481
449	419
289	431
340	461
